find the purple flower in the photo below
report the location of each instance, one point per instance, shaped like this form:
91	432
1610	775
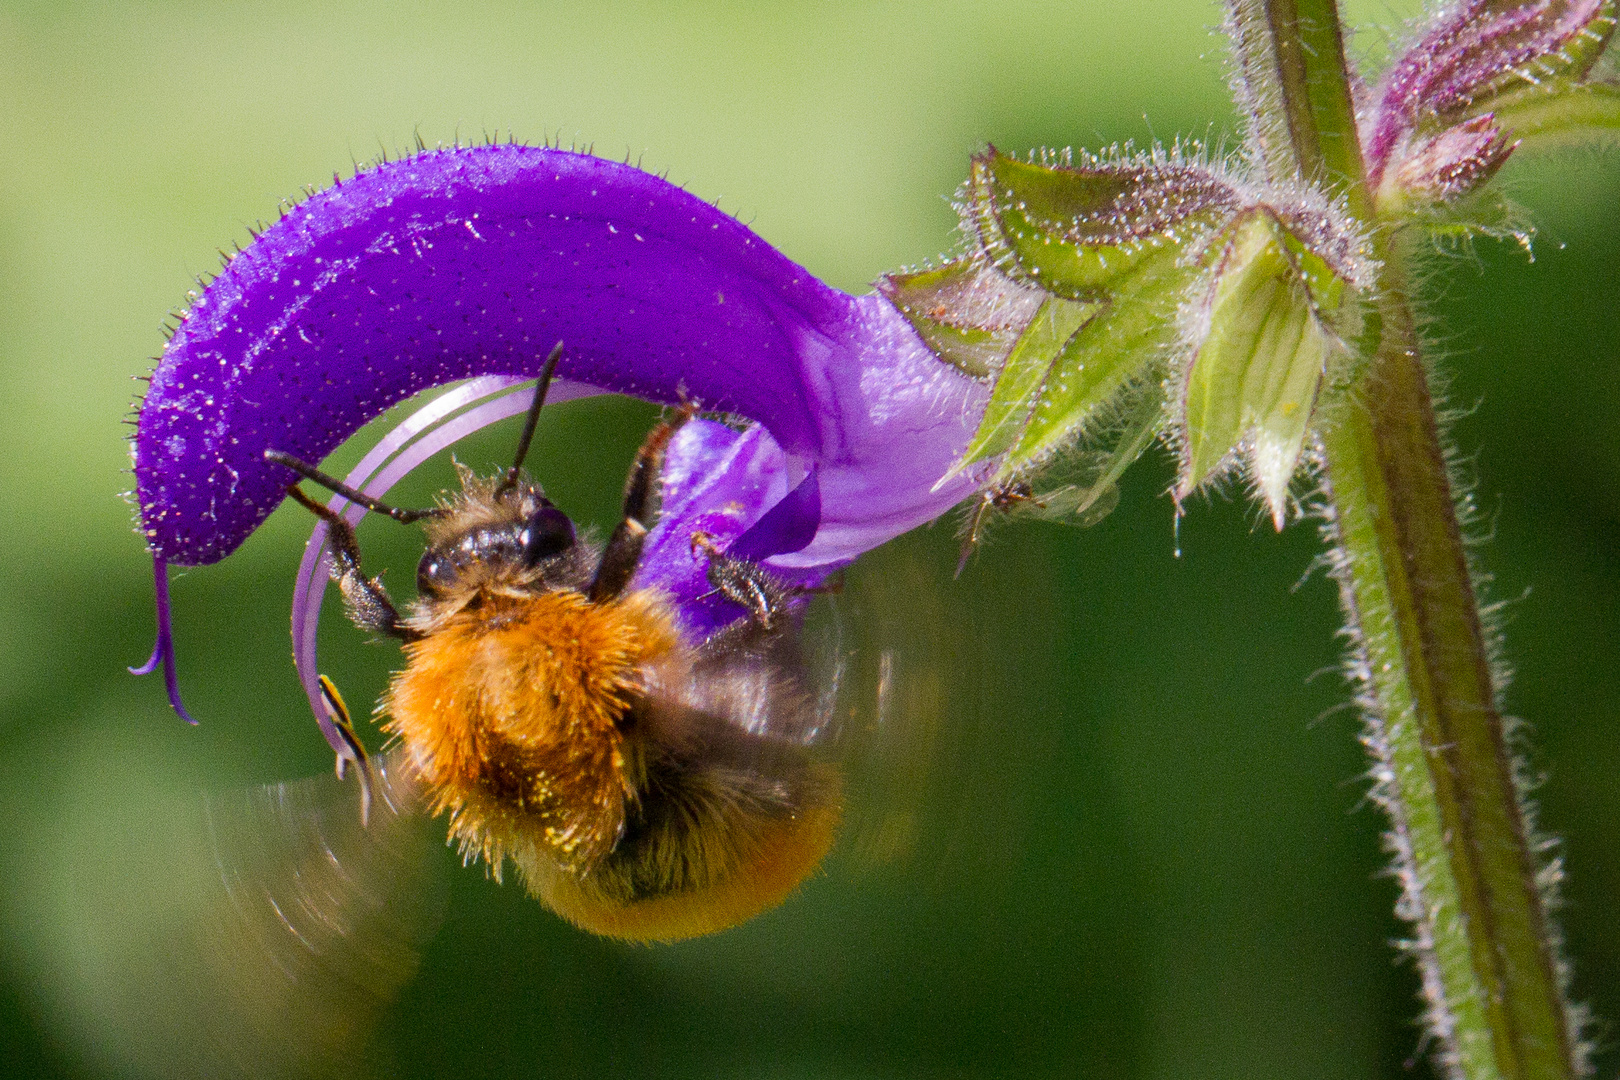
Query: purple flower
475	261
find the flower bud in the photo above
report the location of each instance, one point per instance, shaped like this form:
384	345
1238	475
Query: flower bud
1484	73
1444	167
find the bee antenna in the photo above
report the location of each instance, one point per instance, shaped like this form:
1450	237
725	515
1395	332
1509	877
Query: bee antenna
311	473
531	420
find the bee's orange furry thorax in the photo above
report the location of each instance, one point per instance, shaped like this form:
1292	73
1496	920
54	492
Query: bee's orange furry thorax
513	711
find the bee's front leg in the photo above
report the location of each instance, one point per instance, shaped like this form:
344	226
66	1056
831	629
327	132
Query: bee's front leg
623	551
368	604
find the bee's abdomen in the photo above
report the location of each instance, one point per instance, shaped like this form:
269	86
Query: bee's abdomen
725	825
679	877
585	743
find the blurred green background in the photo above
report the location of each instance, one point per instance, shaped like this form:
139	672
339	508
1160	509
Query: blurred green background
1124	833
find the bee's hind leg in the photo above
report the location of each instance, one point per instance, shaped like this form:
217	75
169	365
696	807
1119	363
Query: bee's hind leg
354	750
747	584
623	549
368	604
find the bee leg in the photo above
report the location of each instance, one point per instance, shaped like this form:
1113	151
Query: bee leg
972	528
623	549
339	712
747	584
332	484
833	586
366	601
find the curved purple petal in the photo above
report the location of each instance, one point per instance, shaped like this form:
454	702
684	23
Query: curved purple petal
475	261
472	262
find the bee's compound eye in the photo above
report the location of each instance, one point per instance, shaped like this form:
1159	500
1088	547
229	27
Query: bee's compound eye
548	532
435	572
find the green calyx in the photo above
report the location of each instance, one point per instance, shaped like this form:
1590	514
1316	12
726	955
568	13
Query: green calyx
1104	246
1081	233
1575	115
1086	286
968	314
1567	51
1253	380
1547	92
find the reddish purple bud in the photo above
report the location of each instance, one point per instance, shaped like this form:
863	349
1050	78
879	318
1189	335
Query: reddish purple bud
1456	161
1472	54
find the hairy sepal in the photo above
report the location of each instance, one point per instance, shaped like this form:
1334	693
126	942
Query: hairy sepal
1107	243
1087	282
1262	349
968	313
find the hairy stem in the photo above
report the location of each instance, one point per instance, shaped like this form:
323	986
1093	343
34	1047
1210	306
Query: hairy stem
1291	72
1444	768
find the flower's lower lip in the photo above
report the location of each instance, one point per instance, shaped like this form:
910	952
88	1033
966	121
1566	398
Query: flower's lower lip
761	525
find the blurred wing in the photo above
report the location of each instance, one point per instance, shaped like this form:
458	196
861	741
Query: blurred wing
1076	489
1082	487
891	638
319	921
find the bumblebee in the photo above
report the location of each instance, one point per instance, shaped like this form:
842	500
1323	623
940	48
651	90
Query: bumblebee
645	786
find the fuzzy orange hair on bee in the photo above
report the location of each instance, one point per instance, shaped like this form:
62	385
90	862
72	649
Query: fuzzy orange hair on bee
647	787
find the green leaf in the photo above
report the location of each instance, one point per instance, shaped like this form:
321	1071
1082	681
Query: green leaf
1257	371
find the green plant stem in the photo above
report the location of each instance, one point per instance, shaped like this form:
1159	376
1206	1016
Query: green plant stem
1444	769
1291	63
1445	772
1582	116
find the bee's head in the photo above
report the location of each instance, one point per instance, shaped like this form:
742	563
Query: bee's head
490	532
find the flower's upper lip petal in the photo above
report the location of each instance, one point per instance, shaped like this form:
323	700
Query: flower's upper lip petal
463	262
475	261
